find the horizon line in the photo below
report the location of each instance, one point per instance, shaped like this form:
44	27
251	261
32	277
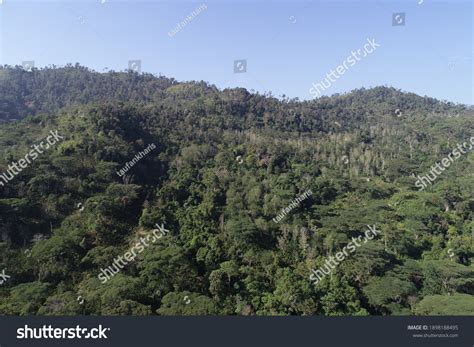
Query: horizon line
106	70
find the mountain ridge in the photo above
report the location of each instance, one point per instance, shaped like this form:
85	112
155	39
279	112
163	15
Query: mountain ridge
24	93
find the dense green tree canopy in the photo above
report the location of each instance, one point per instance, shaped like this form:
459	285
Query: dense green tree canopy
226	163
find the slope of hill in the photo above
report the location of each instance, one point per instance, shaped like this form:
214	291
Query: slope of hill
24	93
225	164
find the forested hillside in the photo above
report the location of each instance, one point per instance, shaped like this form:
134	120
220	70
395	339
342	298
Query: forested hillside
226	163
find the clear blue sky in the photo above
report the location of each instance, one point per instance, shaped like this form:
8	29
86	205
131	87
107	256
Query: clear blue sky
287	44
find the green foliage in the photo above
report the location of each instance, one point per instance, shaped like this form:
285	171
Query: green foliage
186	304
456	305
25	298
226	163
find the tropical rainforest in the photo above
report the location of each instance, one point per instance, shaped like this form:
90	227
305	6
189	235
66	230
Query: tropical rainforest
226	162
